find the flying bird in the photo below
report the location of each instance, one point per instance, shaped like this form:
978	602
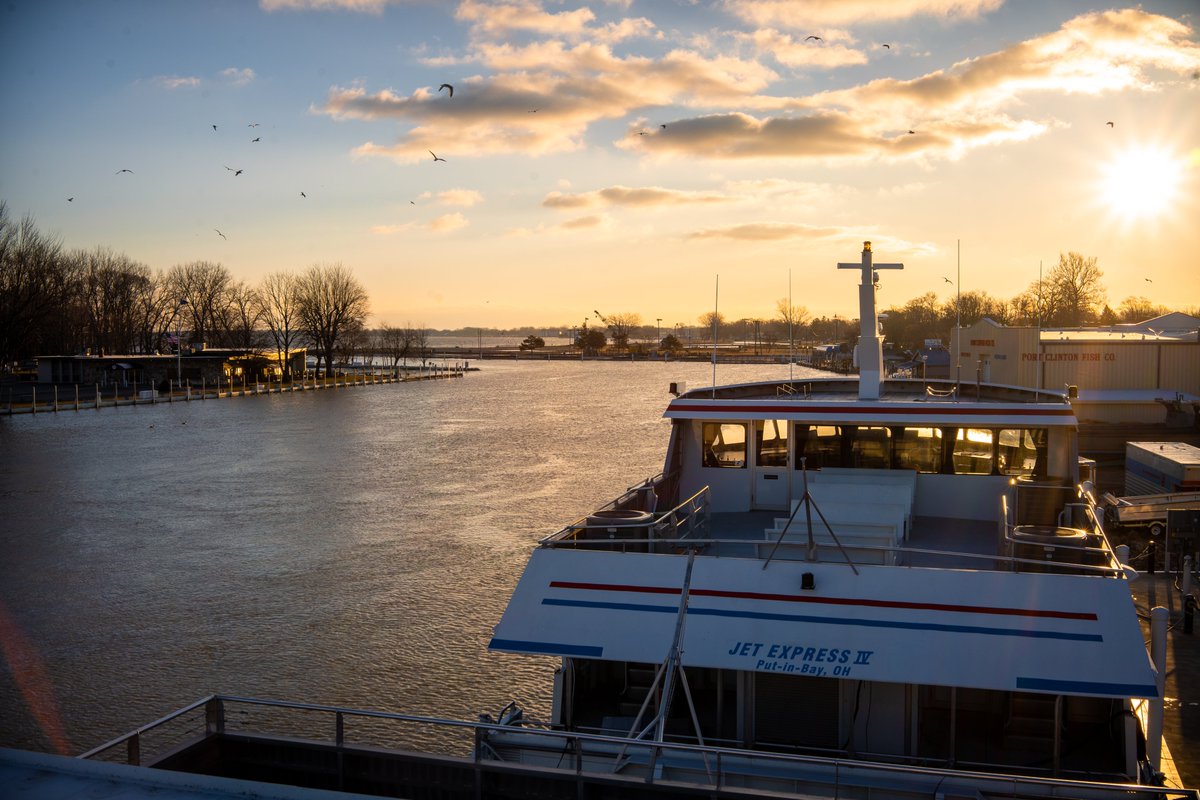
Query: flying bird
947	280
256	139
912	132
252	125
1147	280
435	156
663	126
124	170
214	127
221	234
888	46
534	110
814	38
447	86
302	194
69	199
1109	124
235	172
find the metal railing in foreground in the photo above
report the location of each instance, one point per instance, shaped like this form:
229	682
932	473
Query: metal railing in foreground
582	757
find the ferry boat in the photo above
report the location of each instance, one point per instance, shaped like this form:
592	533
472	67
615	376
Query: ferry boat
834	588
905	581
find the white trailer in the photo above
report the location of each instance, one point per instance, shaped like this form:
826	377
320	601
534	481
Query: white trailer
1148	510
1161	468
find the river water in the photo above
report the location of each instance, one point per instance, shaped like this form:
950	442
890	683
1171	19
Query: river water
350	547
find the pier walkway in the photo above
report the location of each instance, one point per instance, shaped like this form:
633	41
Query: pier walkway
51	398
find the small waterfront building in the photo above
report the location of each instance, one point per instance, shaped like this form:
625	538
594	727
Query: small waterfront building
1147	372
200	366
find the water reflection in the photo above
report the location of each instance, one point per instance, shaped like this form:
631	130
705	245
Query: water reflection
351	547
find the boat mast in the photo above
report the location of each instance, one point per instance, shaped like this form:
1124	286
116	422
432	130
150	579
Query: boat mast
869	352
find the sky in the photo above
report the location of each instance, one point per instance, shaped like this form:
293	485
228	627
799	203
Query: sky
656	158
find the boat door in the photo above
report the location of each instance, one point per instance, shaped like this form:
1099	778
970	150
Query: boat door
771	488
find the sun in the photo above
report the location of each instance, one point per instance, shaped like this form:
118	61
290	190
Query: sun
1142	183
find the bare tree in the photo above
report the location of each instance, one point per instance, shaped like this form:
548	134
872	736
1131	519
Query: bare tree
240	315
620	326
205	287
396	343
1139	309
330	300
36	287
1076	289
792	318
712	322
111	290
279	309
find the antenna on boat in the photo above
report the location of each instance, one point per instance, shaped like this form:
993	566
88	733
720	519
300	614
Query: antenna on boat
870	343
1037	386
716	304
958	324
791	327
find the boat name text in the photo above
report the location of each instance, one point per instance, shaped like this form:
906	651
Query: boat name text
801	659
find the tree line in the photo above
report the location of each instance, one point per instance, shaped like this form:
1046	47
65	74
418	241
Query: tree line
54	300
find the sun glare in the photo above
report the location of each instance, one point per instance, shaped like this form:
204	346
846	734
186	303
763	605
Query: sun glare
1142	184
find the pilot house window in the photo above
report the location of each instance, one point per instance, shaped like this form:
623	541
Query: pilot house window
725	445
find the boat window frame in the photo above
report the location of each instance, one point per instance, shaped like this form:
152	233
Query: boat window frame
715	451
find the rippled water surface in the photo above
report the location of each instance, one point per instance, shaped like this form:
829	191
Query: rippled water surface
350	547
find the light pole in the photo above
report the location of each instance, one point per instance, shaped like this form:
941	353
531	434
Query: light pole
179	341
658	333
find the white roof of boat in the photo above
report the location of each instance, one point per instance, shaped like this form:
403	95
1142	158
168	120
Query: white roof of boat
838	401
41	775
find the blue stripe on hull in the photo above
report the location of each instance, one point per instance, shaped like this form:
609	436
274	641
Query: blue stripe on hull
546	648
1088	687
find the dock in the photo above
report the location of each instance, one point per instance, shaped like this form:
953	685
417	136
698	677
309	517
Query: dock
53	398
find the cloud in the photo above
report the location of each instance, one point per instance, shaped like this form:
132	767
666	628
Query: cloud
387	230
238	76
948	112
500	20
832	235
814	15
634	198
363	6
584	223
447	223
769	232
543	98
460	197
176	81
793	52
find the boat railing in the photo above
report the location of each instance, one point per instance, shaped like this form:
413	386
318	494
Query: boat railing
1055	527
492	748
628	528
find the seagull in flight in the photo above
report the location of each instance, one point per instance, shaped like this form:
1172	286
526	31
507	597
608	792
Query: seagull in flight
302	194
256	139
888	46
218	230
447	86
124	170
214	127
435	156
235	172
912	132
1109	124
1147	280
947	280
252	125
814	38
69	199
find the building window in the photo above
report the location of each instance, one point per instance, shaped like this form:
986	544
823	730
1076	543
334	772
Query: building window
725	445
